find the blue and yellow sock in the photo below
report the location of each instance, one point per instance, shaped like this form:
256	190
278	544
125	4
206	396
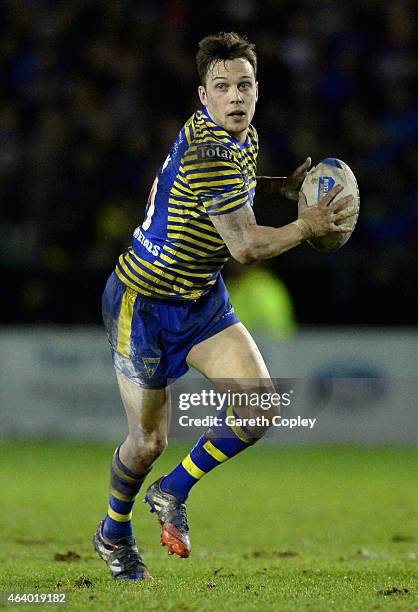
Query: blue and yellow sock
217	445
124	487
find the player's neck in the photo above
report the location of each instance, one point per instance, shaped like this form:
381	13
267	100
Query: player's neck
240	136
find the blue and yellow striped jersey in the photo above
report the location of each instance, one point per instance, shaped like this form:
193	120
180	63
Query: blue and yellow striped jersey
177	253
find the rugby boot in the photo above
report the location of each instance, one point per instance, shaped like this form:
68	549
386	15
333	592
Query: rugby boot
173	519
122	557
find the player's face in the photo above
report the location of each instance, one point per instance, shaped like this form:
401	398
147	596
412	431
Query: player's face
230	95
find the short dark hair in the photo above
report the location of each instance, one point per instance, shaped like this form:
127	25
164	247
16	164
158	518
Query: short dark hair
223	46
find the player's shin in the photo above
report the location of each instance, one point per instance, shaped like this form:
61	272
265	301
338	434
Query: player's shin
218	444
124	487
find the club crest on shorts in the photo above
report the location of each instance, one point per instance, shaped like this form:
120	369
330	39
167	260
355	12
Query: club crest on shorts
151	364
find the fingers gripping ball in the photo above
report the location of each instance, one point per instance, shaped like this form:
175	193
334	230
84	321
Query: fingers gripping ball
321	179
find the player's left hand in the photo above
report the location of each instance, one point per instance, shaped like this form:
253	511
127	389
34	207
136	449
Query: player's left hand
294	181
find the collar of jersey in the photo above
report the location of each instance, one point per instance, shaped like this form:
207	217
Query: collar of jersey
219	132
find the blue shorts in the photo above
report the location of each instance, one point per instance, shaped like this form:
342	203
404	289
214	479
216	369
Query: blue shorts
151	338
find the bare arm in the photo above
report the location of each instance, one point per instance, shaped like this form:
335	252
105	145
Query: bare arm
285	186
249	242
271	184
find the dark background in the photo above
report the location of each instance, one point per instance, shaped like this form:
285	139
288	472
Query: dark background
93	94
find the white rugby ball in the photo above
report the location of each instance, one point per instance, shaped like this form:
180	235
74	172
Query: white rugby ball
321	179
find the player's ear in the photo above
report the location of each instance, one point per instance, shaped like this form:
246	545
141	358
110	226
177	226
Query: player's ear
202	95
256	91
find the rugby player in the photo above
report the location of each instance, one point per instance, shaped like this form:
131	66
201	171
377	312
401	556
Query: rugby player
165	307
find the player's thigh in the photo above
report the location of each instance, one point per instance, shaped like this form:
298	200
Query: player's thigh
146	409
232	353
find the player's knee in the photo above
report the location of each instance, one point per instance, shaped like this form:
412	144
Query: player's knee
147	447
157	446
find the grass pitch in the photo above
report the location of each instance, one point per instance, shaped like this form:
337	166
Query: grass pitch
277	528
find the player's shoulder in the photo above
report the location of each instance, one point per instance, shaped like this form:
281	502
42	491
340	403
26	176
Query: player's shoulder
253	136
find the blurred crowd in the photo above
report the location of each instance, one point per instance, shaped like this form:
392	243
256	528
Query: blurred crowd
94	92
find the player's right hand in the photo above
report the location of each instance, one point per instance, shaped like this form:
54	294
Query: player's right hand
322	218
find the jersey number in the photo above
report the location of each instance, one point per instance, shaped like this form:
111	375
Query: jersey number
151	205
